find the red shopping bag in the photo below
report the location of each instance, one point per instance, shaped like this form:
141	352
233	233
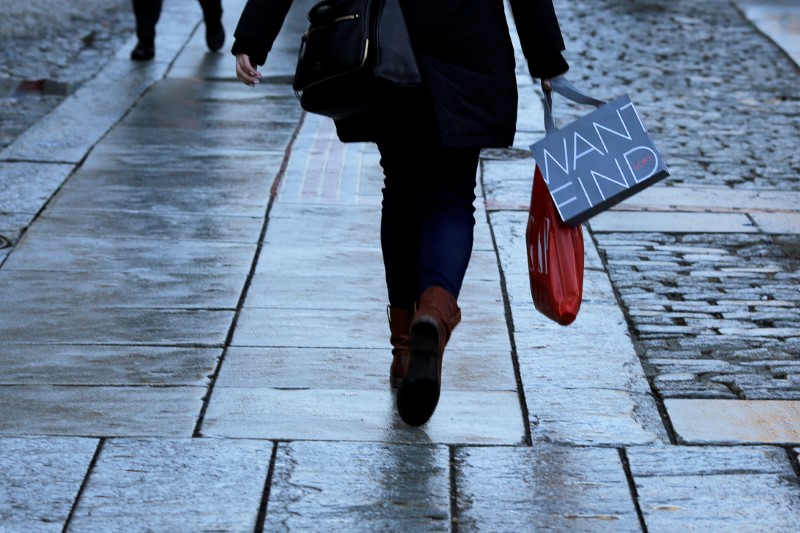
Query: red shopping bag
555	257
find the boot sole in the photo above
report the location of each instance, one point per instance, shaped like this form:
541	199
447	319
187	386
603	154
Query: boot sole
418	394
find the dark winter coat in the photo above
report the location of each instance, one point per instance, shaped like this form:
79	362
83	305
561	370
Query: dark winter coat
466	58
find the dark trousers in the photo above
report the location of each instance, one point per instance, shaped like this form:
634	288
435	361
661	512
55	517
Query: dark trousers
147	13
427	219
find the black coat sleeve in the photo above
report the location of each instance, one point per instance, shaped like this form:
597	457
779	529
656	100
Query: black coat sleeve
259	25
540	36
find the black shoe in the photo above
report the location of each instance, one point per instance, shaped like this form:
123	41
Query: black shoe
215	36
143	52
419	391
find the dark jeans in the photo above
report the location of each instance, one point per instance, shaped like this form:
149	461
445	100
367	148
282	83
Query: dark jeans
428	218
147	13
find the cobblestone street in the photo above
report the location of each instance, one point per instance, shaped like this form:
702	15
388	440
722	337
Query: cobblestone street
716	315
48	49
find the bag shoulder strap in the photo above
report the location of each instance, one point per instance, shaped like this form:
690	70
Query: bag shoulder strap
565	88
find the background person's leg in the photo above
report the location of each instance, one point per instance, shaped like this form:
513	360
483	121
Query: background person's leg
147	13
212	15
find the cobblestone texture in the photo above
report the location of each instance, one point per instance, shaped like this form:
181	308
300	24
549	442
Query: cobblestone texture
720	98
65	43
715	315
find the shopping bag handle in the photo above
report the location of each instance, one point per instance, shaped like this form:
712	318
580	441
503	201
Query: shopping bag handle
565	88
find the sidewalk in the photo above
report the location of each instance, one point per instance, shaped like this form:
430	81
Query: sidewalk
193	335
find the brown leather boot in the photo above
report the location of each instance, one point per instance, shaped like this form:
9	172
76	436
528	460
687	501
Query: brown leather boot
399	324
436	316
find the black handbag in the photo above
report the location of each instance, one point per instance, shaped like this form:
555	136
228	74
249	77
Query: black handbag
352	51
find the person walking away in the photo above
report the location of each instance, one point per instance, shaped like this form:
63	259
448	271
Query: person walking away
429	139
147	13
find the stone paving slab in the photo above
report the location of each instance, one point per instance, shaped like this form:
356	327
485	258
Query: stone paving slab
326	291
283	262
114	325
39	480
39	289
234	178
778	223
507	184
280	262
321	203
549	353
173	485
363	487
217	201
679	198
603	401
195	61
148	225
325	171
323	291
462	417
356	369
672	222
39	364
592	416
84	253
305	368
188	97
301	277
735	421
339	223
12	224
310	328
207	104
716	489
545	488
165	157
512	225
100	411
356	329
273	113
336	226
24	189
250	136
223	161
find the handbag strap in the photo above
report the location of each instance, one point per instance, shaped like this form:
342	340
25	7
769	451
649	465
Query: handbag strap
565	88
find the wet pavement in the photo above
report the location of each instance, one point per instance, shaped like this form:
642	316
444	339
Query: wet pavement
193	325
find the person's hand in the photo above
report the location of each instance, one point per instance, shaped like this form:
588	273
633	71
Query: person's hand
546	85
246	72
